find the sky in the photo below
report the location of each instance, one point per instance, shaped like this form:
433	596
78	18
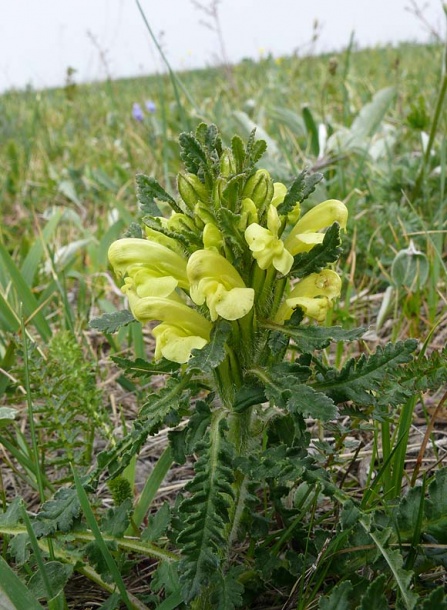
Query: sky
40	39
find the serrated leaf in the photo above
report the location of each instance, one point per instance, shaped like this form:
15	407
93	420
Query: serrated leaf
227	593
320	256
161	403
299	190
19	548
288	391
360	378
436	601
116	520
408	513
209	357
203	516
310	338
157	524
238	150
192	153
57	575
374	597
58	513
142	368
148	190
258	150
349	515
111	322
13	513
338	599
394	559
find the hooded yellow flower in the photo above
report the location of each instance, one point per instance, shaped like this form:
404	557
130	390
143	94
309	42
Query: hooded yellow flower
214	279
151	268
314	294
182	329
268	249
306	233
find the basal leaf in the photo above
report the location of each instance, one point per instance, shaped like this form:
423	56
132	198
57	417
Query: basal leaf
58	514
157	524
14	594
320	256
12	515
117	519
111	322
57	575
338	599
436	601
374	598
227	593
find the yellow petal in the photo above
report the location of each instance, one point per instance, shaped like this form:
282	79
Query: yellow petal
320	217
174	344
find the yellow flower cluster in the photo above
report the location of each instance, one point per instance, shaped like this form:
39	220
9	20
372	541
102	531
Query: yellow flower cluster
163	280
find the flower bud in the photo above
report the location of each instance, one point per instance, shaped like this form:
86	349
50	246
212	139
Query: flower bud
219	185
212	237
191	189
227	165
180	222
259	188
203	214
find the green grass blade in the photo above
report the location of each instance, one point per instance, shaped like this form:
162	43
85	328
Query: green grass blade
13	593
34	257
25	295
152	485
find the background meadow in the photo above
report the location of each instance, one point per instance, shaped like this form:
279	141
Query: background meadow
374	122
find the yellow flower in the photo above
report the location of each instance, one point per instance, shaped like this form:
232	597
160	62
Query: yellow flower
182	329
306	233
314	294
214	280
266	246
151	268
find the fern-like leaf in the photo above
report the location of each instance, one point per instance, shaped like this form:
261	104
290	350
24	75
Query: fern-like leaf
205	513
359	379
300	190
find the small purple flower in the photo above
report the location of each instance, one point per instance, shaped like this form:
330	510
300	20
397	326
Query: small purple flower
150	106
137	112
